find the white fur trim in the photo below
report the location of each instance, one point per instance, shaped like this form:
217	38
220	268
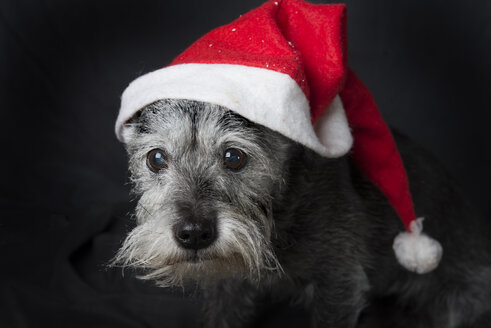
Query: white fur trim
333	130
416	251
263	96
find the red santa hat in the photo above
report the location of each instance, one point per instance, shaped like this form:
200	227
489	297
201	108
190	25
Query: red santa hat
284	66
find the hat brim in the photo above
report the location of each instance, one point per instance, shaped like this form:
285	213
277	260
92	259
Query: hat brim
263	96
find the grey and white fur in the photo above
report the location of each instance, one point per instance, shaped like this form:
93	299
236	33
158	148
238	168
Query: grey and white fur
293	225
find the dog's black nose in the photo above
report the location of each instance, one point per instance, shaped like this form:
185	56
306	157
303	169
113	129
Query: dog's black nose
195	235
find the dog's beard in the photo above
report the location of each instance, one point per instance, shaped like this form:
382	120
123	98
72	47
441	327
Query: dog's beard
241	250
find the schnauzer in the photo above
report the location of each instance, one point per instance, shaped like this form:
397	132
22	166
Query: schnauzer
248	213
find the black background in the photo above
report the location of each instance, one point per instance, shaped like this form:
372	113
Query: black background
64	192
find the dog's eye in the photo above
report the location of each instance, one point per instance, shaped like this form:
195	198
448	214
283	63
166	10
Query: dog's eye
156	160
234	158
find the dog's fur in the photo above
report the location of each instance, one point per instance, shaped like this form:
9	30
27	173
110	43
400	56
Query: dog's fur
295	225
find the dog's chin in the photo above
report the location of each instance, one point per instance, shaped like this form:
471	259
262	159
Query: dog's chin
199	269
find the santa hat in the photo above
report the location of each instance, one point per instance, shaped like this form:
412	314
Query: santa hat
284	66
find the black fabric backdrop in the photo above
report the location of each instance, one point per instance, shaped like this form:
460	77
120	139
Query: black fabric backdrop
64	193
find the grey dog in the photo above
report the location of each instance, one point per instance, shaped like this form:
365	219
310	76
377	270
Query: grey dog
247	213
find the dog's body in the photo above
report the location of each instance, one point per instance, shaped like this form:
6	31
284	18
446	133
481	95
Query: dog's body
292	224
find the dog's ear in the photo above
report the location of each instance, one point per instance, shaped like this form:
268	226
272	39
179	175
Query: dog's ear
332	129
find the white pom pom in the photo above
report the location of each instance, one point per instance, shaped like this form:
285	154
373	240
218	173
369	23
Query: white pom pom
416	251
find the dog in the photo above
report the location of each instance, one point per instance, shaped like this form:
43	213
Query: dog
247	213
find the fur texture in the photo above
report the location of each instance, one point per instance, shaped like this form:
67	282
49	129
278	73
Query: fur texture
297	226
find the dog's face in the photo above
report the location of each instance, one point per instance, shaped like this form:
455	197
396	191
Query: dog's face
205	178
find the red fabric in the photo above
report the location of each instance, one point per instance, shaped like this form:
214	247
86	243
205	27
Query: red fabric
374	150
318	32
305	41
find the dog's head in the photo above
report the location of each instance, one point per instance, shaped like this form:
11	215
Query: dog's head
205	178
